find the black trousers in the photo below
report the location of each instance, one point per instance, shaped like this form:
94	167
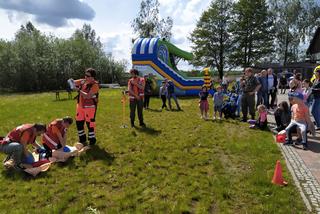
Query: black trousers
164	100
146	101
248	101
136	104
273	95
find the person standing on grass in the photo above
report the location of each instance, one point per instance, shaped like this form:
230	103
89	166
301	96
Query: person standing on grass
136	94
87	102
315	108
147	91
203	103
15	144
250	86
171	94
163	95
262	94
218	102
55	138
272	88
239	92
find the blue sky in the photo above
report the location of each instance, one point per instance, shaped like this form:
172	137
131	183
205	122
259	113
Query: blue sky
110	18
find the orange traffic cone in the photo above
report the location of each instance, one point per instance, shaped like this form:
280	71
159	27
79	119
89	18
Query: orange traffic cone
277	176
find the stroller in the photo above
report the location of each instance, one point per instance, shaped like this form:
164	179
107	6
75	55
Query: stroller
229	106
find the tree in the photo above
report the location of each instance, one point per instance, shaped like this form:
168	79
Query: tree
252	32
148	24
295	21
34	61
211	37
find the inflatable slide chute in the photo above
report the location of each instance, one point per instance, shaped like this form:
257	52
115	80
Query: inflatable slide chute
157	56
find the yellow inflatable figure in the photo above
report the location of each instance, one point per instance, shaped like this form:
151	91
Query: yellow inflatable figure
206	78
314	76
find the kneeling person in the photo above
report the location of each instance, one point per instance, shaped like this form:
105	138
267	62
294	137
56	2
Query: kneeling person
16	142
55	137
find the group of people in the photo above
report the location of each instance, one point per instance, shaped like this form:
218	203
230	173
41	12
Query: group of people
140	91
302	95
54	136
259	92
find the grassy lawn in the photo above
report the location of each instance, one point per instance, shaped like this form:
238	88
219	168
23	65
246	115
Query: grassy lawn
179	164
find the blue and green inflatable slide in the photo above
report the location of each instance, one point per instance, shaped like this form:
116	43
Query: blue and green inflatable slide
157	56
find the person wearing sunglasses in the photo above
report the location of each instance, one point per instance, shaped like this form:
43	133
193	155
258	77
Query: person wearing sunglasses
87	101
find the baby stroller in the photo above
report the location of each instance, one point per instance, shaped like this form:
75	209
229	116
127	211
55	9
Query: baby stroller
229	107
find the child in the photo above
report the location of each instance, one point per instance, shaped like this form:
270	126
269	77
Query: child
163	94
282	116
203	103
306	92
262	121
218	101
300	119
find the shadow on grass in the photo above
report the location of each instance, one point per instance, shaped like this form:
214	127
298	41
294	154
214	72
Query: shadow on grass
176	110
96	153
154	110
62	100
148	130
17	174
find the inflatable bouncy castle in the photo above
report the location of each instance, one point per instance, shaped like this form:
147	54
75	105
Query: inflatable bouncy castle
159	57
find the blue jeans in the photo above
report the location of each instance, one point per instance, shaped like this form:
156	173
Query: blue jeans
315	110
265	99
14	150
173	95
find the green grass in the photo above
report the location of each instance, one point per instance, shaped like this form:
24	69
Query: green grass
179	164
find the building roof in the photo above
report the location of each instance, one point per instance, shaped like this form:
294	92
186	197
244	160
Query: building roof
314	46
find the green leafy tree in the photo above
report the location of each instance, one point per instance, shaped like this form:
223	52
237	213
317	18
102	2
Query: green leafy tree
34	61
148	23
295	22
252	31
211	38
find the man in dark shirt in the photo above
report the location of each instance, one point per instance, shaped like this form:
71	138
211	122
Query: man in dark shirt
250	86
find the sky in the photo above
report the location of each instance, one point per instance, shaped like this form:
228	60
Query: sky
111	19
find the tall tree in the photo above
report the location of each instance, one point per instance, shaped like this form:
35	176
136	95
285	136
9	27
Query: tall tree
148	24
295	21
211	39
252	31
34	61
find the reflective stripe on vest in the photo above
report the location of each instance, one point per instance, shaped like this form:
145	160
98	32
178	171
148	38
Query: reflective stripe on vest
50	140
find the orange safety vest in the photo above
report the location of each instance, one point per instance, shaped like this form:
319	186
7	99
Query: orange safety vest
136	89
16	134
88	102
50	138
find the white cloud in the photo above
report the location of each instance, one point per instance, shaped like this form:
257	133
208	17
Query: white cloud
52	12
111	22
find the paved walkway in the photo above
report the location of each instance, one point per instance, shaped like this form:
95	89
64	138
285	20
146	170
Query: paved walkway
304	166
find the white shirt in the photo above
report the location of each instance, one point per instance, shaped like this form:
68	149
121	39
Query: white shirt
270	82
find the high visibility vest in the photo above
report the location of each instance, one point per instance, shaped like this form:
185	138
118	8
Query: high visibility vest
136	89
86	87
50	138
16	134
